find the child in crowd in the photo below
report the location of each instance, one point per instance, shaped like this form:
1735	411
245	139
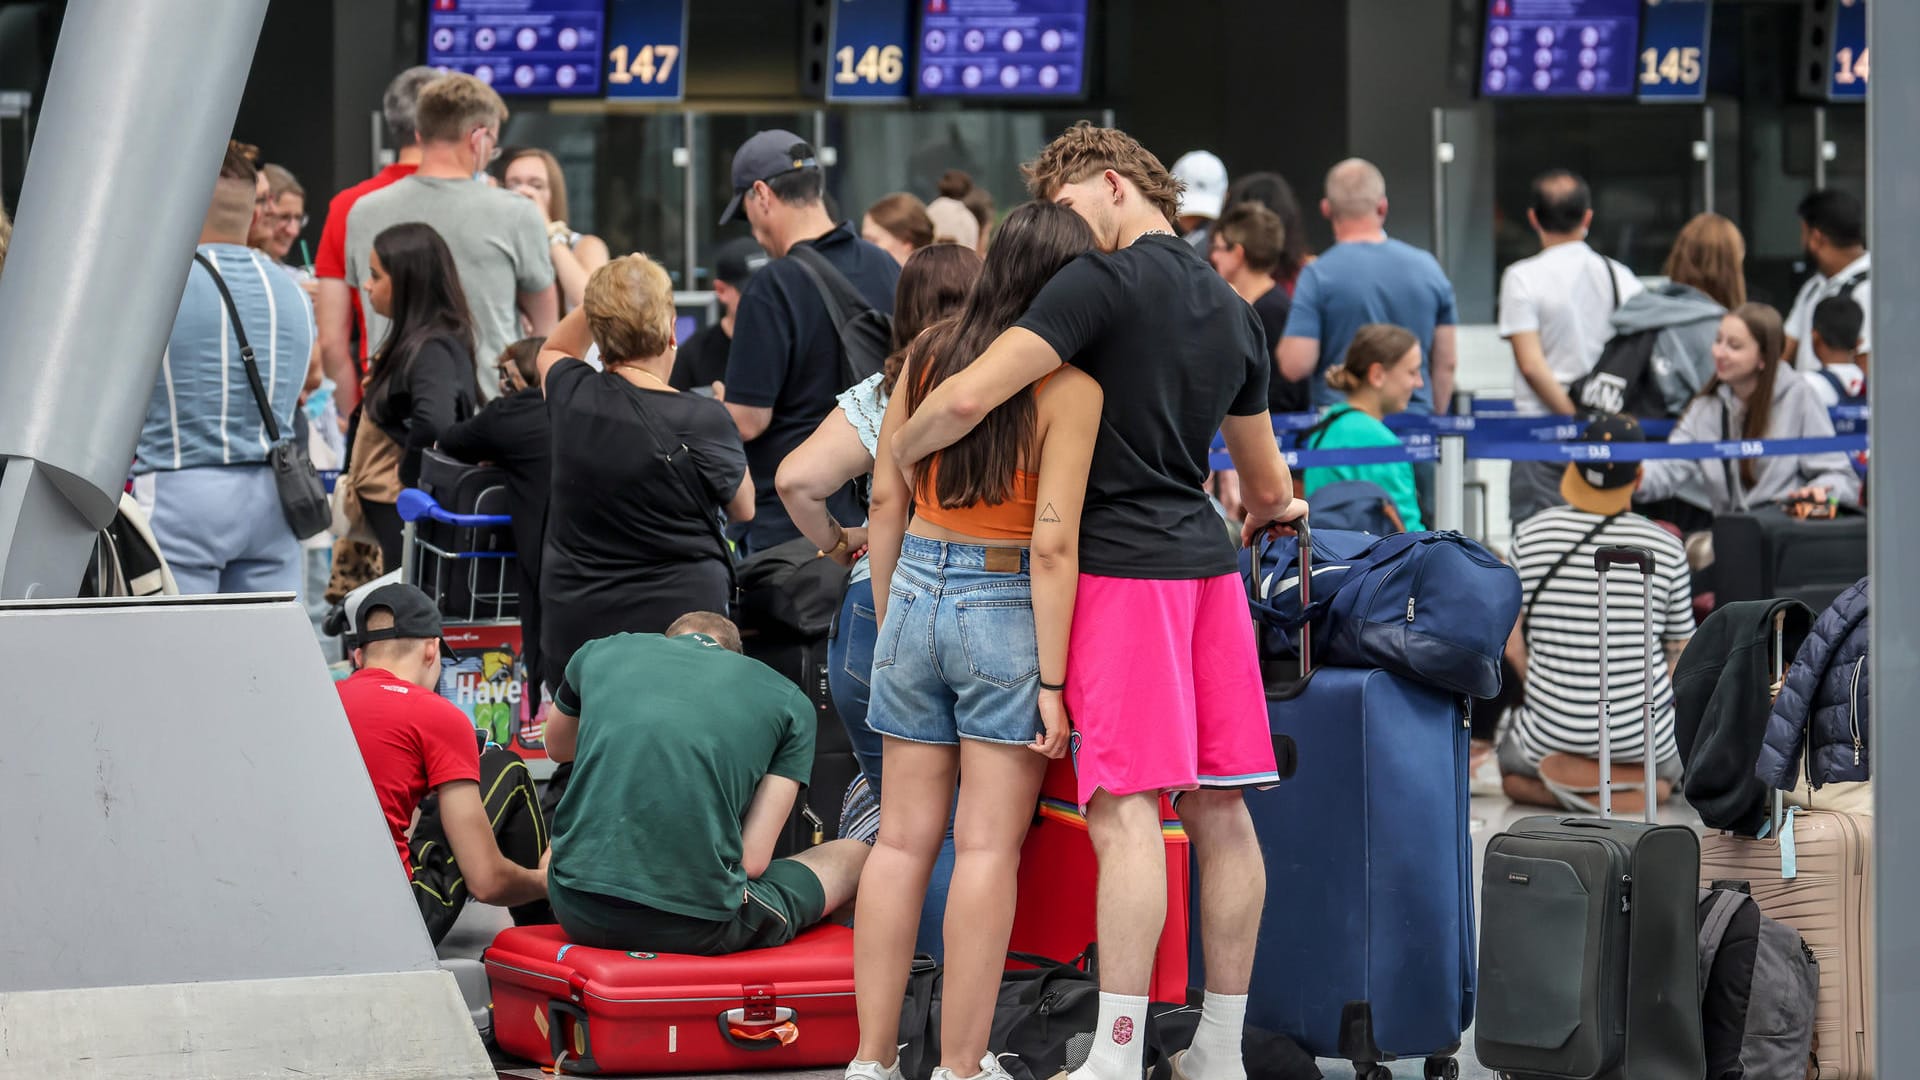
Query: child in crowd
1841	378
1379	374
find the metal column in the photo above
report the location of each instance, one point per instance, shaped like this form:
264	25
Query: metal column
139	89
1893	158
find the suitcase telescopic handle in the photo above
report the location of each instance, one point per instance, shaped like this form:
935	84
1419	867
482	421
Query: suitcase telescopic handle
1623	554
1304	534
1605	558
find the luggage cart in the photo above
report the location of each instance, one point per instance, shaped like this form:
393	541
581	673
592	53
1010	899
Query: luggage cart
467	564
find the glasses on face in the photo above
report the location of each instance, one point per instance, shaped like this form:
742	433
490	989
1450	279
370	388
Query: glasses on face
281	221
493	138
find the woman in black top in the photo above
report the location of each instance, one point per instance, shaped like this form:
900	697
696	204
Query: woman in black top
421	381
513	433
641	472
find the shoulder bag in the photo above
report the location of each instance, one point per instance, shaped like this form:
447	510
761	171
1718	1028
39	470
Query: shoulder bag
677	463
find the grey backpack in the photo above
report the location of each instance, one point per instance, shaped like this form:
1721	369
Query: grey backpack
1759	986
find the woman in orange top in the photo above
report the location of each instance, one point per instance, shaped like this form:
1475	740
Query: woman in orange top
975	601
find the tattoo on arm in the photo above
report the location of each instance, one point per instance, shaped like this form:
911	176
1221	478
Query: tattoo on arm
1049	515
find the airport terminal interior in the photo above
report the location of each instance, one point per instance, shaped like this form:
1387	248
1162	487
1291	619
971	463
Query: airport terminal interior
1594	219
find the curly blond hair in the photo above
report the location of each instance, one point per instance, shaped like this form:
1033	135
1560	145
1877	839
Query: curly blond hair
630	310
1084	150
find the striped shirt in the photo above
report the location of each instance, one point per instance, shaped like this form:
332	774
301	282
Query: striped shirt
202	411
1561	712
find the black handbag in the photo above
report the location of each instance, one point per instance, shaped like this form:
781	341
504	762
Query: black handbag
303	498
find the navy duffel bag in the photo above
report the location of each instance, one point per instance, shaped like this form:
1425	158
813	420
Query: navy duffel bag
1435	607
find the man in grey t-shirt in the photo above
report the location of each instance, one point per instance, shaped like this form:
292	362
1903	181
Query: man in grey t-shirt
498	239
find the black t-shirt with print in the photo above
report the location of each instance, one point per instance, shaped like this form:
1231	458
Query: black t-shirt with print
1176	351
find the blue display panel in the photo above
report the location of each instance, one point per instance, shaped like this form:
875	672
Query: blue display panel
1560	48
547	47
646	53
869	46
1847	70
1673	50
1002	48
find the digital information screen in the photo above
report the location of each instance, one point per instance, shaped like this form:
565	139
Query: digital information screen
1673	50
1847	74
870	40
547	47
1560	48
1003	48
646	50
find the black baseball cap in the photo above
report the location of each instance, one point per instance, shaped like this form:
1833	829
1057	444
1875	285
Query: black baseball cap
414	615
763	157
1604	487
736	261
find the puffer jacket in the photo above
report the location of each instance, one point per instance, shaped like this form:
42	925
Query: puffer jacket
1823	710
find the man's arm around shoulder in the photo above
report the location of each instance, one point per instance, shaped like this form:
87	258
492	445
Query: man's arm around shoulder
1015	360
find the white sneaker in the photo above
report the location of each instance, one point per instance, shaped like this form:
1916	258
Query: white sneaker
873	1070
989	1070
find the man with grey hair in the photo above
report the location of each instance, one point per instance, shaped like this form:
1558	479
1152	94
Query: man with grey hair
1367	277
337	310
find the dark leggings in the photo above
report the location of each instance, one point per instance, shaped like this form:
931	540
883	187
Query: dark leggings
384	519
519	828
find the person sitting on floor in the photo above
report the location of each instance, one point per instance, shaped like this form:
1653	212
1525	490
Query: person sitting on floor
480	834
1549	754
687	760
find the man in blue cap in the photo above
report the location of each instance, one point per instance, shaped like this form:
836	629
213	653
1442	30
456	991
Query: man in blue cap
784	367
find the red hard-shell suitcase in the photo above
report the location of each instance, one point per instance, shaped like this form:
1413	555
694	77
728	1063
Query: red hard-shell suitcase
592	1011
1058	872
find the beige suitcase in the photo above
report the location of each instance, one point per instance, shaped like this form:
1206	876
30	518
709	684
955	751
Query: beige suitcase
1829	901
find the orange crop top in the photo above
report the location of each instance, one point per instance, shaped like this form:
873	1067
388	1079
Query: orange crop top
1010	520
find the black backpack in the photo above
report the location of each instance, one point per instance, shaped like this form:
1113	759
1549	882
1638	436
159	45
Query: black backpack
1622	379
866	334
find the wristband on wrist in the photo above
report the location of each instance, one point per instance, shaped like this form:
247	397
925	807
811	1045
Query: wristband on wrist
1055	687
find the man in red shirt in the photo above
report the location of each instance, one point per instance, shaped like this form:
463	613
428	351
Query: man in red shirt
336	308
480	833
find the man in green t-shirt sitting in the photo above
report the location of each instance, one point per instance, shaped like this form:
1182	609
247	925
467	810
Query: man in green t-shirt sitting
687	759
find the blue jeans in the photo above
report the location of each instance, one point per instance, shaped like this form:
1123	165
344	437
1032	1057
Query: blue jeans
849	677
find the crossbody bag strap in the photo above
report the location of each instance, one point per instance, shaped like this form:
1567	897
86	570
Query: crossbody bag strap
246	350
1526	616
686	486
1613	282
1317	434
1737	496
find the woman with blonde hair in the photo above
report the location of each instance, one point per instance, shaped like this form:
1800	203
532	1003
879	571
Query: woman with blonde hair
536	174
1379	373
641	472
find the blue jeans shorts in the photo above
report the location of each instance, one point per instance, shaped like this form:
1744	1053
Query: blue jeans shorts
957	657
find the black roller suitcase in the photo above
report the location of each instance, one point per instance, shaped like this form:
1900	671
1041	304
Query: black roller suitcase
1768	553
1588	963
475	580
817	817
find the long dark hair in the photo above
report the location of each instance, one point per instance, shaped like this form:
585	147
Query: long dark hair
1031	245
1770	337
427	303
1272	191
933	284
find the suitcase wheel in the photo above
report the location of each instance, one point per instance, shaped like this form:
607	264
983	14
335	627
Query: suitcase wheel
1442	1068
1371	1072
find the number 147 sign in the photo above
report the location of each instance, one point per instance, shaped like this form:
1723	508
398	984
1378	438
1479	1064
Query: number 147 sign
646	49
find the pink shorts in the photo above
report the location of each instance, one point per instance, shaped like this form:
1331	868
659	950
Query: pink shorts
1163	684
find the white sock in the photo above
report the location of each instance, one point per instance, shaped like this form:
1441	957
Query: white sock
1119	1040
1215	1053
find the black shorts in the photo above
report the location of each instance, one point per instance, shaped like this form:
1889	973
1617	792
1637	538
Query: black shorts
778	905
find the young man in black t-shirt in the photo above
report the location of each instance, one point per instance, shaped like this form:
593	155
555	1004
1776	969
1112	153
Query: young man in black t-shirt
783	371
701	363
1163	680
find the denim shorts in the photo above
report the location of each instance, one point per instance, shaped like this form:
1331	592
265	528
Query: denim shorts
956	658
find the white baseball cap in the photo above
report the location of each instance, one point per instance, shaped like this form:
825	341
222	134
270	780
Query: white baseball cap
1206	179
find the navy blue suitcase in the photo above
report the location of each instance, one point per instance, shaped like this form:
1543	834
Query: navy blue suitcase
1367	945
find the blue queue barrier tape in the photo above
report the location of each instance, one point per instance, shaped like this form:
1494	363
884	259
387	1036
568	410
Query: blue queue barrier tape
1731	450
328	478
1511	426
1571	451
